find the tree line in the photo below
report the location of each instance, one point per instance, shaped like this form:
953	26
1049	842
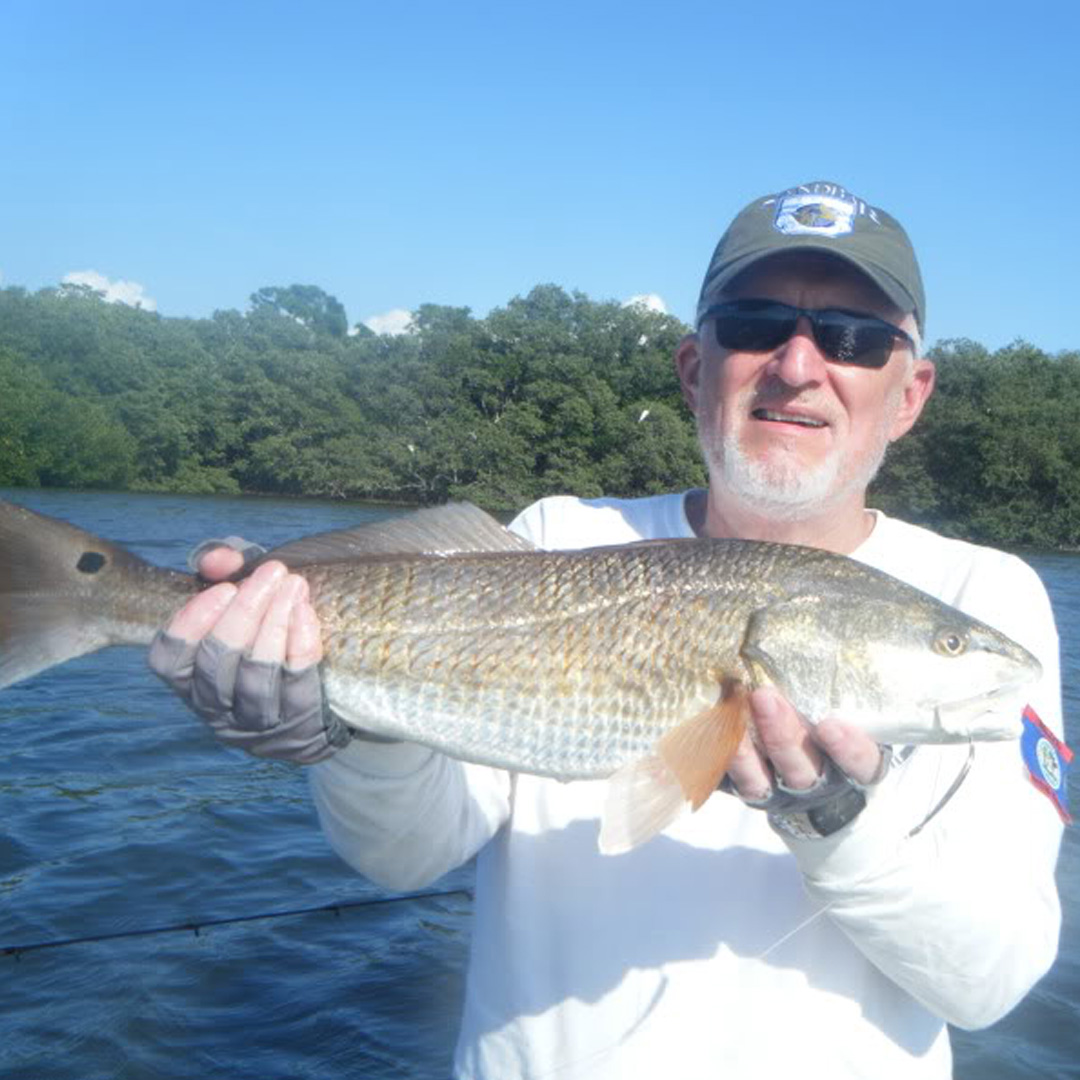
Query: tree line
552	393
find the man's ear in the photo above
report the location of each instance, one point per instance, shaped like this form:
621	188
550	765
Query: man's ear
916	392
688	366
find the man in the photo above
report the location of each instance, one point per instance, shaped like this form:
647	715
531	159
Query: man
842	901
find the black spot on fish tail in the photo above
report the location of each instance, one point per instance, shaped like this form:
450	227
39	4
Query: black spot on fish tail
90	562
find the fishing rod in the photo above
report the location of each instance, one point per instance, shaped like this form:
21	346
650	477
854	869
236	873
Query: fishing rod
196	928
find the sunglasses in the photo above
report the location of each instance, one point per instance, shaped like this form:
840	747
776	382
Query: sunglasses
844	336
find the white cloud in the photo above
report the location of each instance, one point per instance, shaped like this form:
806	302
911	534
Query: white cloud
114	292
648	300
396	321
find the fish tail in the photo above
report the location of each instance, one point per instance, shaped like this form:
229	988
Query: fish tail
647	795
65	592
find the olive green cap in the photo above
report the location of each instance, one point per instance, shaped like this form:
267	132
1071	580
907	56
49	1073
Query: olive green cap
820	216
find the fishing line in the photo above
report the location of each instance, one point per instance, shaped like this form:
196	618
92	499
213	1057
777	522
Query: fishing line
953	788
196	928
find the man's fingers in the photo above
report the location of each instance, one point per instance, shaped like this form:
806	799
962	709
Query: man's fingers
784	739
200	614
219	563
749	772
791	768
290	632
305	635
853	751
239	624
272	638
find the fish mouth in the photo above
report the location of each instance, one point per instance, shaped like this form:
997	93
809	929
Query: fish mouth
992	715
782	416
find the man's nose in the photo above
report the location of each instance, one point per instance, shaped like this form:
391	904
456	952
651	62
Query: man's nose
799	361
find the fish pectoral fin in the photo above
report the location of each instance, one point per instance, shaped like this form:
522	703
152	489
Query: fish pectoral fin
647	795
643	798
699	751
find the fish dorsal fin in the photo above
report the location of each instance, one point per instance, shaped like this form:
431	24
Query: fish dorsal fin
647	795
440	530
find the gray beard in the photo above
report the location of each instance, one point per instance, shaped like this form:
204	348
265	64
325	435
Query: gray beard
786	490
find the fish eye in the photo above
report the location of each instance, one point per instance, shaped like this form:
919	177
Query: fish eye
950	643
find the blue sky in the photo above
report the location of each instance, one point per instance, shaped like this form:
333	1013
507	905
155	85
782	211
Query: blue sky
462	153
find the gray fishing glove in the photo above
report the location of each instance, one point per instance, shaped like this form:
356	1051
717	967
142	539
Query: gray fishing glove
831	802
268	709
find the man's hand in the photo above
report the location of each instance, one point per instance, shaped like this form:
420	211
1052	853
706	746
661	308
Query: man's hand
792	751
268	614
245	658
786	769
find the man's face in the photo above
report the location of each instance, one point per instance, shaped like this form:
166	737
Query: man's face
789	431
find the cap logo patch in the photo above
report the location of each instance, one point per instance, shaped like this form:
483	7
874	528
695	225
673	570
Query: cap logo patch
815	215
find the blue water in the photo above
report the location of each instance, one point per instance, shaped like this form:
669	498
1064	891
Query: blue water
118	812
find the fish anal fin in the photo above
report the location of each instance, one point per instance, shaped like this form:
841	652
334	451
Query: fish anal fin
648	794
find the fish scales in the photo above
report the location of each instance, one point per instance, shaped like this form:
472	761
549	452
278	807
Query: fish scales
566	663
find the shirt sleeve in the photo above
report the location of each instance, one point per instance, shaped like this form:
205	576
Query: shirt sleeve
404	815
964	914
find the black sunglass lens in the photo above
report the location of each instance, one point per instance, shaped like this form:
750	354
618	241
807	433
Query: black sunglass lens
754	329
851	340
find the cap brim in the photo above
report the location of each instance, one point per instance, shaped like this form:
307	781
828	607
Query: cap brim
896	293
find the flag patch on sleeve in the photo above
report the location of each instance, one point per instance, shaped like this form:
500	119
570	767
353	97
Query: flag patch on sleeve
1047	759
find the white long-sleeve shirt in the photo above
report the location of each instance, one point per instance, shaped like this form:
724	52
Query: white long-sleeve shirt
720	949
